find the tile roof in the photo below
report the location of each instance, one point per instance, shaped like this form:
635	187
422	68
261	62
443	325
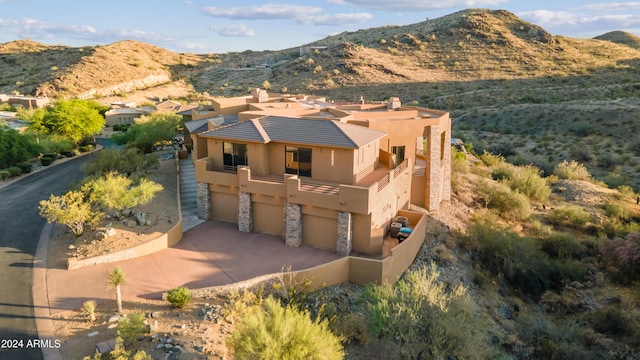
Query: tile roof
196	126
299	131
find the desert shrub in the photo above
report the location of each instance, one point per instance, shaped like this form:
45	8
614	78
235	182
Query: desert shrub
572	170
570	215
490	159
614	181
131	327
626	190
622	256
517	258
123	161
562	246
351	328
14	171
179	297
616	228
427	317
271	331
501	198
25	167
616	210
613	320
503	171
523	179
459	162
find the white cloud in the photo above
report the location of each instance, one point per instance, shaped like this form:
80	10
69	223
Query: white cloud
613	6
233	30
336	19
542	17
417	5
585	22
32	28
262	12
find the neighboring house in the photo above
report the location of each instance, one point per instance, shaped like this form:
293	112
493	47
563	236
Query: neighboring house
10	119
126	115
29	102
332	176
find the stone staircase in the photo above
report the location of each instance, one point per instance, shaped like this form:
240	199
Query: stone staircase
188	195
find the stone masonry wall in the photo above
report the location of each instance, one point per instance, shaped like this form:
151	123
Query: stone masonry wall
293	225
345	233
245	212
204	201
432	187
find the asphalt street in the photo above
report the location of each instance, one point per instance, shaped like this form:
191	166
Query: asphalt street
20	228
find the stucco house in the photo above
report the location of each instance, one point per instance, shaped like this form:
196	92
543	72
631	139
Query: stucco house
324	174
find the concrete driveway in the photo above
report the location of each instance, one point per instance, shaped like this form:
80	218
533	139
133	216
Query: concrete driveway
212	253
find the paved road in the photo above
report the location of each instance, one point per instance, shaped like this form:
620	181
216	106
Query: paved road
20	227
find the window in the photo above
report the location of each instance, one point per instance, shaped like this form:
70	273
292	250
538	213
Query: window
297	160
234	154
399	151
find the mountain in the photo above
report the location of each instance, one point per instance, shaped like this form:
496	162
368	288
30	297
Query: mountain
470	45
621	37
91	71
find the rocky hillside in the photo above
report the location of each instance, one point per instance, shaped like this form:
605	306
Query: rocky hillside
93	71
621	37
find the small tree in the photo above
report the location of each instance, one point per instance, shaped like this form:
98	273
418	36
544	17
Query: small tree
75	119
115	191
69	209
149	131
116	279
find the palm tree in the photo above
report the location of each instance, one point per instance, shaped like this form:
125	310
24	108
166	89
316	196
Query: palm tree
117	279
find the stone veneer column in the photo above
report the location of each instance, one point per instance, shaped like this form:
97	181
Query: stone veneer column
446	192
345	233
432	175
292	225
203	200
245	212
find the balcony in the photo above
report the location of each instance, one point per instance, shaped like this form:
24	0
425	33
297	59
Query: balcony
359	198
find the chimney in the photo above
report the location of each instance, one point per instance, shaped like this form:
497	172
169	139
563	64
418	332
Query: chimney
394	103
260	95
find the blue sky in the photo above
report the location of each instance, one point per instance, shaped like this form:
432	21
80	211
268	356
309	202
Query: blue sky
209	26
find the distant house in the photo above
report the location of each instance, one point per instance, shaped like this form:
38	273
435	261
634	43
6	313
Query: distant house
29	102
125	116
328	175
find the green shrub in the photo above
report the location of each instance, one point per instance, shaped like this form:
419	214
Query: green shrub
617	211
85	148
490	159
504	200
46	161
613	320
570	215
14	171
271	331
179	297
572	170
428	318
4	174
562	246
351	328
131	327
25	167
517	258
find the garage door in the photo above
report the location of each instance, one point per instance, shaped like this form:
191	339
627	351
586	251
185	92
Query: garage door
224	207
320	232
267	218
